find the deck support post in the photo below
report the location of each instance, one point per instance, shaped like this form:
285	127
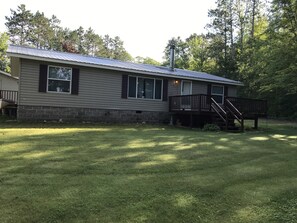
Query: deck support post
171	120
191	120
256	122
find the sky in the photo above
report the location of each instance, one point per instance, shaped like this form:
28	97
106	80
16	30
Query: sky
145	26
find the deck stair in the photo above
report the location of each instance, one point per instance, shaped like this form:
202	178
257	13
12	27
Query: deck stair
226	115
201	109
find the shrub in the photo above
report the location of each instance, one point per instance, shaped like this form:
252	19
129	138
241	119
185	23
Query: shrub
211	128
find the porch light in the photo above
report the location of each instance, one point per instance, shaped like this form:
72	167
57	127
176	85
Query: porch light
175	82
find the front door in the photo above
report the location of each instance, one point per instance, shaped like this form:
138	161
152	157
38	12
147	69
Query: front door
186	89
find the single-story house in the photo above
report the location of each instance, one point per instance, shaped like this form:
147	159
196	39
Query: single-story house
58	85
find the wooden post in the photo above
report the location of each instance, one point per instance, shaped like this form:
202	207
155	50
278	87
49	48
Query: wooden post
191	120
242	124
256	122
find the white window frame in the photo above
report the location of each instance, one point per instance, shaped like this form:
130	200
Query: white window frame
181	86
47	80
222	86
154	91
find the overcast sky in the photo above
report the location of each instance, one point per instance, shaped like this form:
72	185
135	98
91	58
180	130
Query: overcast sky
145	26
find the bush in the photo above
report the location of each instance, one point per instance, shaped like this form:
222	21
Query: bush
211	128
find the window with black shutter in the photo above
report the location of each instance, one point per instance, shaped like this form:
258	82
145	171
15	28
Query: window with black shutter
58	79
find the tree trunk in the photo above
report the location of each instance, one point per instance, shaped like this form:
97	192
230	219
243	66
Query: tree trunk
254	2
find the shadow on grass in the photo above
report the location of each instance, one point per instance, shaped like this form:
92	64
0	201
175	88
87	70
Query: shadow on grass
145	174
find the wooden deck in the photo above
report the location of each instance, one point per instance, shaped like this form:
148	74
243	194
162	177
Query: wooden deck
233	108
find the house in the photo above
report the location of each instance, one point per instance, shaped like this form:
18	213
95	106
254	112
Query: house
57	85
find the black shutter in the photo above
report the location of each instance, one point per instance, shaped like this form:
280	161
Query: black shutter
124	86
165	89
226	91
75	81
42	78
208	93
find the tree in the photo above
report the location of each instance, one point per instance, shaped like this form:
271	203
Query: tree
4	62
92	42
199	55
181	53
114	48
147	60
221	35
36	30
41	31
279	79
19	25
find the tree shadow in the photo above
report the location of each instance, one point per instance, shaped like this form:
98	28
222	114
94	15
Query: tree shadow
147	173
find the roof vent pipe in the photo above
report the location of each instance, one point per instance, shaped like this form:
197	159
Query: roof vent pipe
172	47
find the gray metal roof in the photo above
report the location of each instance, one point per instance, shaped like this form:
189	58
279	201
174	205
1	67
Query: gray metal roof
89	61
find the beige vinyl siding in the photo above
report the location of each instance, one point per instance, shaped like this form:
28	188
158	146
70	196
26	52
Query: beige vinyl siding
199	87
173	88
15	66
98	88
8	83
232	91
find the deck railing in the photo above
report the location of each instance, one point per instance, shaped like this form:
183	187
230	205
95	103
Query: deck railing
11	96
249	106
202	103
195	102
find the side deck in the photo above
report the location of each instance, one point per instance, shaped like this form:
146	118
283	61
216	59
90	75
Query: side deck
233	108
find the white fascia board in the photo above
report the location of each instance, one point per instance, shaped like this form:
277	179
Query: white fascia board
119	69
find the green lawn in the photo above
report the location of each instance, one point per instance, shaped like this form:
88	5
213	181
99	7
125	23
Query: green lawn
130	173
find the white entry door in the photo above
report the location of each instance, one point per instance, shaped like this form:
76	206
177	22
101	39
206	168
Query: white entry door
186	87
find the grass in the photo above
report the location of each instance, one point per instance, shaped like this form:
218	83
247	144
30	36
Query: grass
130	173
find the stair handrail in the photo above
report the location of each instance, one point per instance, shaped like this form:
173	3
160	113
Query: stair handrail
234	108
240	118
225	119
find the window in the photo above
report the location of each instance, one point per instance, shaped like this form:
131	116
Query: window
59	79
149	88
217	93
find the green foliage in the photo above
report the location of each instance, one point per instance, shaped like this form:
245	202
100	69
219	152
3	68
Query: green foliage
244	43
20	25
36	30
192	53
181	53
211	128
147	60
4	62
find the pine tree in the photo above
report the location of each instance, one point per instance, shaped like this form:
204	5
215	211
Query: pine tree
19	25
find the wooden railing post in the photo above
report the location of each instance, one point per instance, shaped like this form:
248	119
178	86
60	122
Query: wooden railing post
8	95
200	103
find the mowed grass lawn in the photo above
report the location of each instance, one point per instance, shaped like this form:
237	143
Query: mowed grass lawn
130	173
